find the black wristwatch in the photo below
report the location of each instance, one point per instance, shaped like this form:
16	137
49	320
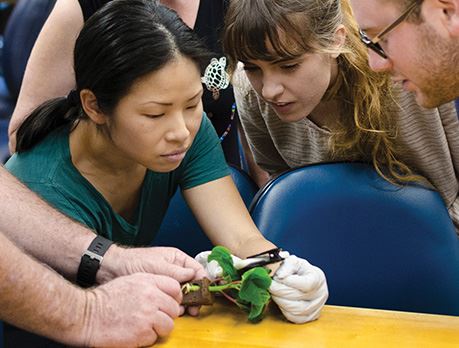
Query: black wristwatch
91	261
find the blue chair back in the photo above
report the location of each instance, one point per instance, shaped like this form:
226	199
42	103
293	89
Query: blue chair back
380	245
181	230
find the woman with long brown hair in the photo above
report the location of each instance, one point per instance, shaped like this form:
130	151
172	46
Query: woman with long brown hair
306	94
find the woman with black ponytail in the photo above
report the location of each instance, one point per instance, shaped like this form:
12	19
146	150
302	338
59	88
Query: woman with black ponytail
52	56
114	151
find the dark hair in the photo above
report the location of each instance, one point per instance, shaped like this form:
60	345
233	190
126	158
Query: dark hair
120	43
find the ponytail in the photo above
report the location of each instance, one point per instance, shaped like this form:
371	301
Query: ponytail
49	116
110	55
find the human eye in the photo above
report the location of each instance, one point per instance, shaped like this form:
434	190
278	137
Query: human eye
154	115
192	107
290	66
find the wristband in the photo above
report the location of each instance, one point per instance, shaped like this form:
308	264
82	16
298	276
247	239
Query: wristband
91	261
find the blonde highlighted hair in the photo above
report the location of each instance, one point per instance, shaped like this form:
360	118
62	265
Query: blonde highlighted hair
366	129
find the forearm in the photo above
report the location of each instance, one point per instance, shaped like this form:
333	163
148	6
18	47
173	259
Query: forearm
60	242
39	229
226	221
37	299
255	244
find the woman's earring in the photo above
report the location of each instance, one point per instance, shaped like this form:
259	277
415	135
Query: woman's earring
215	76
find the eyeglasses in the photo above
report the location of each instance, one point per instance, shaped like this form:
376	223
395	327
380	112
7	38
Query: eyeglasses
374	44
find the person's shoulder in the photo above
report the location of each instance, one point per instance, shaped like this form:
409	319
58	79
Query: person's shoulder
42	162
448	109
404	99
408	112
409	107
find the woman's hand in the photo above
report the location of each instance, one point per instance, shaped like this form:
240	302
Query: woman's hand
299	289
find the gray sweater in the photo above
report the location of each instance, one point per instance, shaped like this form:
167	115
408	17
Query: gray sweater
428	138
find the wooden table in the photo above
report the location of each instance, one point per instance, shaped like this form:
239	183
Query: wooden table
223	325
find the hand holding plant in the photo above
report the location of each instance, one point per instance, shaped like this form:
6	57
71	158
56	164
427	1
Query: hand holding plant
249	290
298	288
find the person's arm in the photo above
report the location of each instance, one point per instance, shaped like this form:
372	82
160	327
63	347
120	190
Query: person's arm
129	311
30	293
226	221
49	72
40	230
450	124
298	288
60	242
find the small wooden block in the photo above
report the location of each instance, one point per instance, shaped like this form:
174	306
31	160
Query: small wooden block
201	297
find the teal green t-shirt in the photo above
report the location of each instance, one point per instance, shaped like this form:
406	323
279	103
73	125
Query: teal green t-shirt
48	170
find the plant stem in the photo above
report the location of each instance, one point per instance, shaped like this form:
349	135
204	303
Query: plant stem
220	288
188	287
229	298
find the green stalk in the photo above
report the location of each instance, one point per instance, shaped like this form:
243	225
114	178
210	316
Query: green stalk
219	288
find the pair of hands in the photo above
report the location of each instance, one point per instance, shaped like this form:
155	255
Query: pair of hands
141	296
298	288
141	304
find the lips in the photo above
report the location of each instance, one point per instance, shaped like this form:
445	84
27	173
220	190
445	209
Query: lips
176	155
281	107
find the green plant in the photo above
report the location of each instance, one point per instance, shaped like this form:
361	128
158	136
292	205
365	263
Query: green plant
248	290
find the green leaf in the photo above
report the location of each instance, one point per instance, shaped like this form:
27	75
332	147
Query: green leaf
254	291
223	257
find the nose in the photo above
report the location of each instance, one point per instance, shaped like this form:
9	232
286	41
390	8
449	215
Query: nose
271	88
178	129
378	63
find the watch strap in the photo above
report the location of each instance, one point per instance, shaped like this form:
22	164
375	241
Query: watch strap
91	261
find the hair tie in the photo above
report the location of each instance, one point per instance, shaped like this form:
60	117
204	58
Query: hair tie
73	98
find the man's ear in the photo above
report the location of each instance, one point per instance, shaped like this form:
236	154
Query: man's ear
91	107
444	13
453	9
340	39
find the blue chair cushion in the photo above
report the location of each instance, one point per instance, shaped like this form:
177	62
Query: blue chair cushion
380	245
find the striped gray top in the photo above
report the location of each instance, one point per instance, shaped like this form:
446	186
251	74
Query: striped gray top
428	139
